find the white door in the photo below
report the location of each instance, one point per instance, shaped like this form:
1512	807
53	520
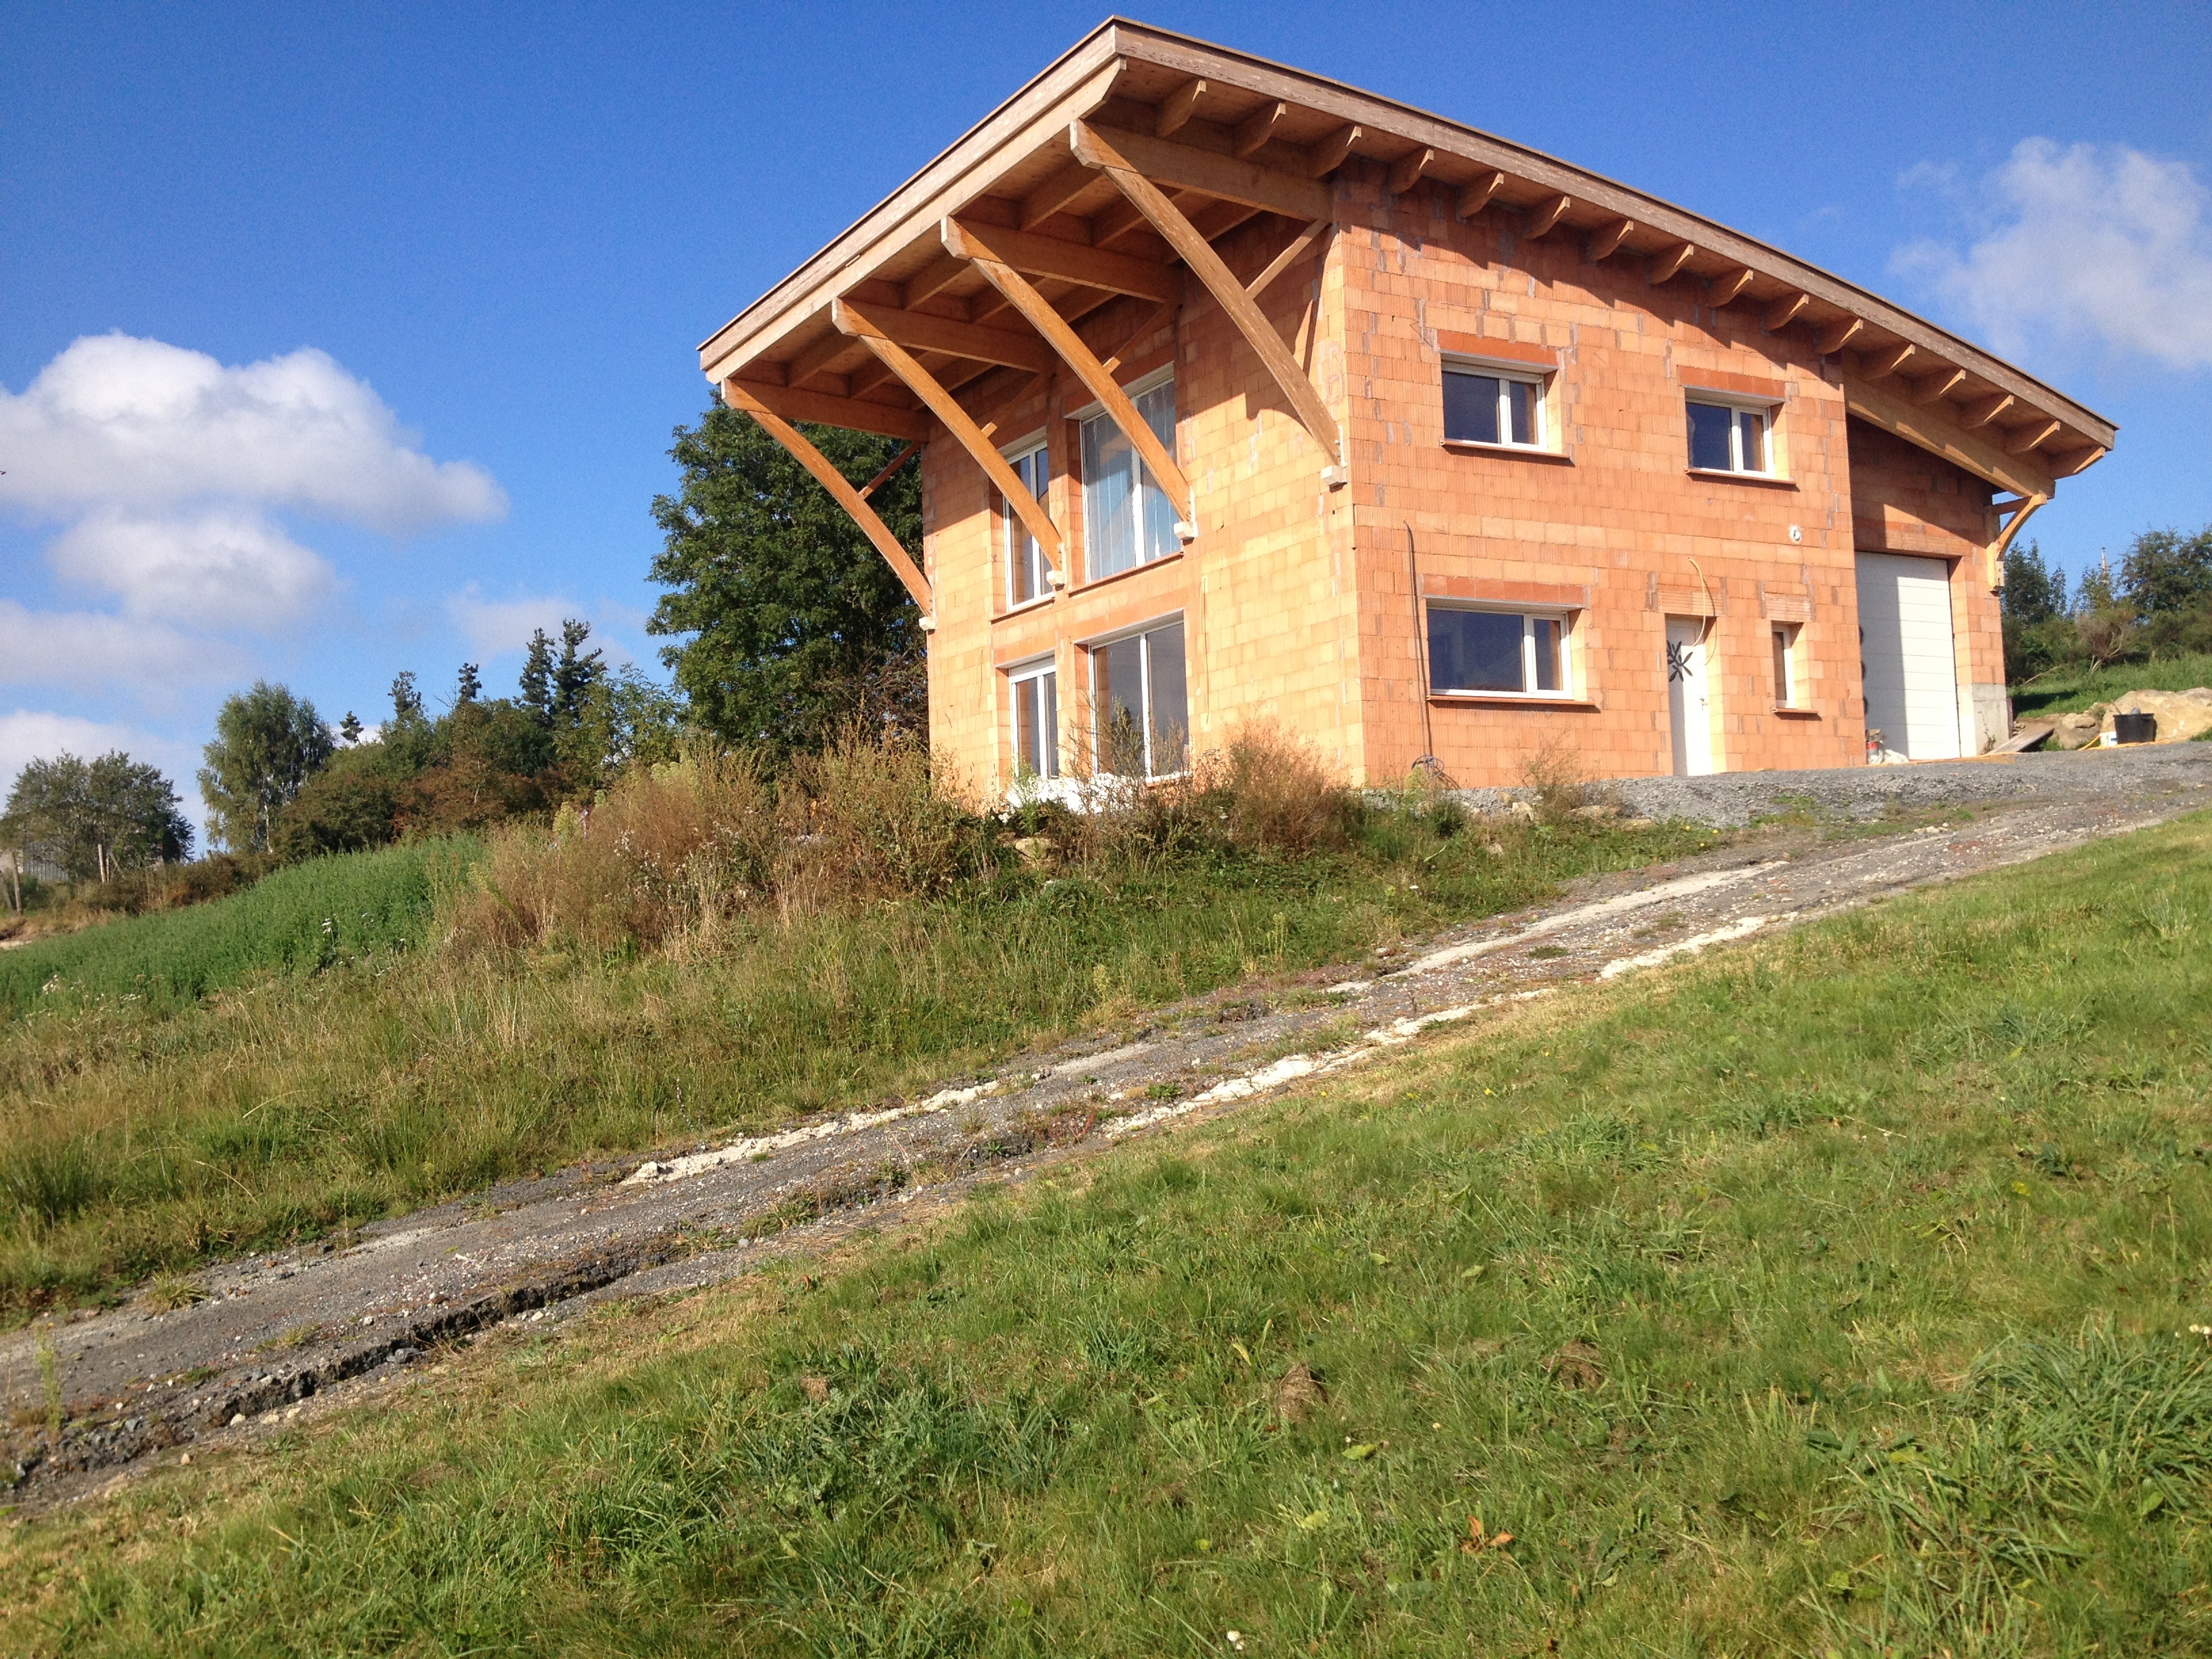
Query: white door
1689	696
1906	655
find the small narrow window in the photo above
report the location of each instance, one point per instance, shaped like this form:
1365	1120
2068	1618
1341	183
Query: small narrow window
1492	406
1141	692
1725	438
1788	688
1027	573
1036	724
1496	650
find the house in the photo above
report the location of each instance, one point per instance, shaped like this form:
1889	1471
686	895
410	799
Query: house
1241	394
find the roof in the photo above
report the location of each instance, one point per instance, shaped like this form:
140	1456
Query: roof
1231	135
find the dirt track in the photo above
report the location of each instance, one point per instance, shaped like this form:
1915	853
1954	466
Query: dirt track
329	1323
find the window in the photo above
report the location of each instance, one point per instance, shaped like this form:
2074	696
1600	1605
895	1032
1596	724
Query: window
1786	687
1036	722
1728	438
1143	702
1496	650
1127	518
1492	406
1027	573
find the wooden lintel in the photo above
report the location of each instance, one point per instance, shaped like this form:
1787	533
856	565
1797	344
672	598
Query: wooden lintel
1938	386
1934	431
1982	411
1881	365
1053	195
1228	293
2032	436
1727	289
1047	256
855	414
1406	172
920	332
855	320
1476	194
1544	216
1606	242
1256	129
1327	156
1094	374
889	467
1184	166
738	395
1837	335
1177	107
1781	312
1289	257
1666	266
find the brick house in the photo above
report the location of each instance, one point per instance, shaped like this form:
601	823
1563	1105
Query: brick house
1242	394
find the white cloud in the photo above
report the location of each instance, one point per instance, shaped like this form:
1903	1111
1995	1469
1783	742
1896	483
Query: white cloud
221	568
89	651
2081	243
31	734
494	626
118	422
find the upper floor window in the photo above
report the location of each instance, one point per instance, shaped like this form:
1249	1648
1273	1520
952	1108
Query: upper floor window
1487	405
1496	652
1127	518
1730	437
1027	573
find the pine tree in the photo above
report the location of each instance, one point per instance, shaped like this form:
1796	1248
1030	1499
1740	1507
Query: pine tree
575	673
470	687
350	728
406	701
537	678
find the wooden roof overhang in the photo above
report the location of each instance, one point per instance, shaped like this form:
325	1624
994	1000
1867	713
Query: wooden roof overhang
1138	148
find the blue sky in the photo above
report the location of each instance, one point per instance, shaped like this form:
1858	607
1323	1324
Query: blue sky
470	249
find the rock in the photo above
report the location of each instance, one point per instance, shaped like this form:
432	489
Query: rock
2181	715
1035	849
1299	1394
2073	731
1596	812
1522	809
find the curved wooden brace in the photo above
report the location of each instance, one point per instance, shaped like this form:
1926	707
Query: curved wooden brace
1999	547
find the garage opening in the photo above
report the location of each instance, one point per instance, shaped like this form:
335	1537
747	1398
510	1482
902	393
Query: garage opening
1905	656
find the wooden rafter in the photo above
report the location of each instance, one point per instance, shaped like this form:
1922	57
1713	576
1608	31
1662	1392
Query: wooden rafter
1184	166
1256	129
1938	386
1983	410
1475	195
1666	266
859	322
920	332
974	244
889	467
2032	436
1053	195
1606	242
1046	256
738	395
1781	312
1727	289
1544	216
1229	294
1330	153
1881	365
1289	257
1837	335
825	354
1935	432
1406	172
2076	460
1177	107
885	420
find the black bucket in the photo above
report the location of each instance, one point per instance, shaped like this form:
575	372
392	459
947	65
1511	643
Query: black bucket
2134	728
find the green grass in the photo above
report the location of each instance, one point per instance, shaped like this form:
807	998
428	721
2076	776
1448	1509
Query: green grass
1828	1297
135	1140
297	920
2069	690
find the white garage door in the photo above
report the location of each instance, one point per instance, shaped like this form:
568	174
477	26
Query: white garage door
1904	646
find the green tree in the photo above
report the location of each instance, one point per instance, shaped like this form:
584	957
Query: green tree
470	686
349	729
536	688
2033	592
94	819
2166	572
790	621
348	807
267	745
575	673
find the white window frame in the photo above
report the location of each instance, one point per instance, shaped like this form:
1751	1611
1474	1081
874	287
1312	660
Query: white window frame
1529	616
1018	677
1018	541
1147	485
1791	693
1765	408
1095	650
1506	372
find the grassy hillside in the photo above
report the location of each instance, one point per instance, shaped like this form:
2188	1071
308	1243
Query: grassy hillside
1830	1296
299	919
2069	690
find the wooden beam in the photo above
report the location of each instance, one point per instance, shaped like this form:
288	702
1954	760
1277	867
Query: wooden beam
1205	264
1781	312
1256	129
889	467
2003	543
1094	374
1838	334
1177	107
1144	330
1475	195
1982	411
1936	387
738	395
2076	460
1666	266
1727	289
824	353
1544	216
920	332
2032	436
1046	256
932	280
790	404
1931	431
1406	172
1182	166
854	321
1881	365
1053	195
1330	153
1604	243
1289	257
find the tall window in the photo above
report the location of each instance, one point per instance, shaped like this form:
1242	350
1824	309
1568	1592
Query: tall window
1036	722
1495	651
1492	406
1727	438
1127	518
1143	703
1786	687
1027	573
